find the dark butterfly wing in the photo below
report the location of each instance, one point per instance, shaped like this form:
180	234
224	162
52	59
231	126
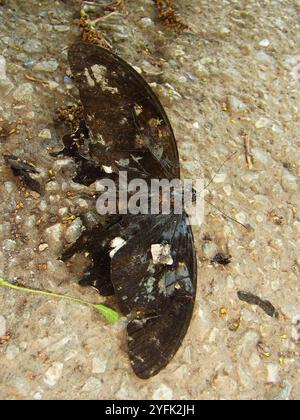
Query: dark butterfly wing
125	118
96	243
159	298
87	170
126	123
24	170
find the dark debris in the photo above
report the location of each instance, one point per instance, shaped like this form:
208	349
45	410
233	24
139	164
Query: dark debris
24	170
221	259
265	305
168	15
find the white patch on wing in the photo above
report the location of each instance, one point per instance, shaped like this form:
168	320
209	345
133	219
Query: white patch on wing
138	109
99	72
88	78
116	244
101	139
161	254
107	169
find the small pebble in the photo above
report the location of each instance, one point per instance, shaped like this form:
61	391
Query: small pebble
273	373
45	134
286	392
163	392
99	365
220	178
24	93
264	43
262	122
2	326
289	182
43	247
74	231
52	186
62	212
62	28
2	68
92	386
9	245
235	104
54	236
241	218
6	86
28	63
201	70
12	352
264	58
146	22
260	156
33	46
46	66
53	374
9	186
209	250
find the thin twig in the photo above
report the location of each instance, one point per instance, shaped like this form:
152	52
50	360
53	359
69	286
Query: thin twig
221	166
228	217
114	3
101	18
247	146
33	79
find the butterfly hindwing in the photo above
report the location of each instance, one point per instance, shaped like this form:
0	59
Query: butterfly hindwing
160	298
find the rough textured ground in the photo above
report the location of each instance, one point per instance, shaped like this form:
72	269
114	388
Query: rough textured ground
235	74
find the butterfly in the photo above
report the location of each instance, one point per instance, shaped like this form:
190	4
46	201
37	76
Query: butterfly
147	261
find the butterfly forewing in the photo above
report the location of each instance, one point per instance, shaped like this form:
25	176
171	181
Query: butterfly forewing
124	116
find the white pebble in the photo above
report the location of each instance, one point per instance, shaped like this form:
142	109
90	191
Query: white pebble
62	212
289	182
74	231
2	68
23	93
99	365
220	178
43	205
45	134
273	373
241	217
227	189
163	392
146	21
92	385
53	374
12	352
264	43
2	326
38	396
54	235
254	361
43	247
46	66
235	104
262	122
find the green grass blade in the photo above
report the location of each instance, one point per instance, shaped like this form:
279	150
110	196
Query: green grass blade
111	315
